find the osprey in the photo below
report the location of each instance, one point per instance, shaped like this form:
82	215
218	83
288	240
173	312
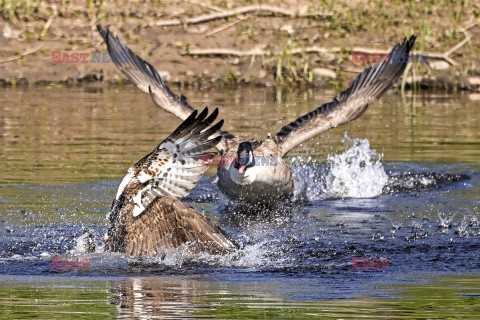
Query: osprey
147	217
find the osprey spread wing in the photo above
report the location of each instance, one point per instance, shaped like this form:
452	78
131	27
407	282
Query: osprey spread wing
147	216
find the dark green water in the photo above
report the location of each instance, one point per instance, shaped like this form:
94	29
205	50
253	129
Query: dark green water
63	152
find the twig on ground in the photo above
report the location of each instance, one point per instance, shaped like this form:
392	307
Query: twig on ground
312	26
315	49
47	25
471	25
235	12
346	69
20	55
257	51
225	26
459	45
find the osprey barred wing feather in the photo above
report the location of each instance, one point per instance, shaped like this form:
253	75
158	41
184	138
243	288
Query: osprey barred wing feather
175	166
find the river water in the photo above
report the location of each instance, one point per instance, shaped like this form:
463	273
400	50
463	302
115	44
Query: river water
398	188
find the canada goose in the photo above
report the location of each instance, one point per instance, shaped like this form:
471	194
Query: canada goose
147	217
243	178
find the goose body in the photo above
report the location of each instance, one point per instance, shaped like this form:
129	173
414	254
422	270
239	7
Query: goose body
268	181
147	217
245	179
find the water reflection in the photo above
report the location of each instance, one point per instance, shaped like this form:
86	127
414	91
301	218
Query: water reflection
184	298
156	297
177	297
73	135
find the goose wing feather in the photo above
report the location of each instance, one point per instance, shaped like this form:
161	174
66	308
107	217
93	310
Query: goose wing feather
368	87
147	79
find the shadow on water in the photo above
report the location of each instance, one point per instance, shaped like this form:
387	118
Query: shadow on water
403	186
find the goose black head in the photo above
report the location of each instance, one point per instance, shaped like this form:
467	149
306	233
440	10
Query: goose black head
245	158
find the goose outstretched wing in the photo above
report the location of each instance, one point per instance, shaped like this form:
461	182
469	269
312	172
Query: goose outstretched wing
368	87
147	79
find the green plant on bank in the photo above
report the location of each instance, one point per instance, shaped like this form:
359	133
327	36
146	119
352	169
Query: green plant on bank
446	18
423	33
308	74
230	79
290	67
247	31
227	4
285	69
29	35
186	48
347	21
13	82
458	12
19	9
96	10
336	84
385	15
132	36
94	4
344	55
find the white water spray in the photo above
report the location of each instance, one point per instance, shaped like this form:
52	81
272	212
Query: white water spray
356	173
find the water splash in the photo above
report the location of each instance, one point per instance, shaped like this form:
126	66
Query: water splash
257	252
85	243
355	173
445	219
251	256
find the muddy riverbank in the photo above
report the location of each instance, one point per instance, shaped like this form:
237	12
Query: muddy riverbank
226	43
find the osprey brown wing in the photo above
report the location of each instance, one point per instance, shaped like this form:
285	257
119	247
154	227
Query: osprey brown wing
168	224
146	217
